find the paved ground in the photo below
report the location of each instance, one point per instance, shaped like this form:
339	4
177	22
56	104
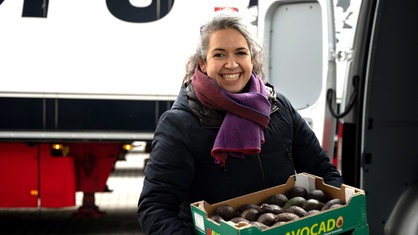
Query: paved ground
119	207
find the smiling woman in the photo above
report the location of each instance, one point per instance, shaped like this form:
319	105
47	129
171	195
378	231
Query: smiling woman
227	134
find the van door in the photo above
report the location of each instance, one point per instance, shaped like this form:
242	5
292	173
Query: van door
299	42
379	149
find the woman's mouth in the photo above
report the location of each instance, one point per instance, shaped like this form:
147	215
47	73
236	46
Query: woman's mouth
231	77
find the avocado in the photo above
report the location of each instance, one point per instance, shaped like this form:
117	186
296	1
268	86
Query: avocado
312	212
332	202
297	210
259	225
317	194
247	206
278	223
216	218
276	199
286	216
313	204
296	191
250	214
227	212
267	219
239	219
271	208
295	201
336	206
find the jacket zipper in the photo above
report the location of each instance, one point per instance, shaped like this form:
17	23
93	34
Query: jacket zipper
262	170
290	156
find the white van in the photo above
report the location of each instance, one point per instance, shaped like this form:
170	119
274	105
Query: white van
378	114
379	149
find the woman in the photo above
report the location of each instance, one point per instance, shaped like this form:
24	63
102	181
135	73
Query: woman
227	134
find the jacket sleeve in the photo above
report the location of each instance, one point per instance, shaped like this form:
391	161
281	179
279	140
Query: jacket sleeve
163	207
307	153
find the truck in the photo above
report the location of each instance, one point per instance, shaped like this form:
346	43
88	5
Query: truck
80	81
373	124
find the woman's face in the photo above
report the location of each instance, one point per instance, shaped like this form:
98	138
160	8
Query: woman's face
228	61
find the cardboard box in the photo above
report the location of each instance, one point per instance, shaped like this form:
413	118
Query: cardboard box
351	217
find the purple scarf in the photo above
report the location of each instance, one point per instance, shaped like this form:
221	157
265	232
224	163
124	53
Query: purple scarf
241	132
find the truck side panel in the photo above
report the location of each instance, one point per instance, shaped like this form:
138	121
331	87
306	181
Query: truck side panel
47	114
30	177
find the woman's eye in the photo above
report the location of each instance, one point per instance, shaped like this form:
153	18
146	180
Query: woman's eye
218	55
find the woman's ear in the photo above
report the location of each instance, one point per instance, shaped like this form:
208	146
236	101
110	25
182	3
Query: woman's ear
202	65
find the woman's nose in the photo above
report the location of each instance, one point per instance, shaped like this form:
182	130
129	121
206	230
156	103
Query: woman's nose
231	63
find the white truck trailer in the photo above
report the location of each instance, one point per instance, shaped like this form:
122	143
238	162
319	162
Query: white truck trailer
80	80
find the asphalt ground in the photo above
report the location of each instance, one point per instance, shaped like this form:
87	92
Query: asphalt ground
119	207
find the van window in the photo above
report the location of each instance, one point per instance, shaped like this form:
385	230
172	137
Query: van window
295	67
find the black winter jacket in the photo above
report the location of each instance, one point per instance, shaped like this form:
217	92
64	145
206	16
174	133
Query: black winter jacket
182	171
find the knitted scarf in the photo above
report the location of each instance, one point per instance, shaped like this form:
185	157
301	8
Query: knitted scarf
241	131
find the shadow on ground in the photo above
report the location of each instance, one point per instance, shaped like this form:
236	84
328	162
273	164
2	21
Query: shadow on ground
121	221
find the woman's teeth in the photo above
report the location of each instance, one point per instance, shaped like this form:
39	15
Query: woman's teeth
230	76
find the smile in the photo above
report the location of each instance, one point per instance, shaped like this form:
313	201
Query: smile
231	77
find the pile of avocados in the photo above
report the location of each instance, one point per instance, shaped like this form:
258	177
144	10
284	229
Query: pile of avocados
278	209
